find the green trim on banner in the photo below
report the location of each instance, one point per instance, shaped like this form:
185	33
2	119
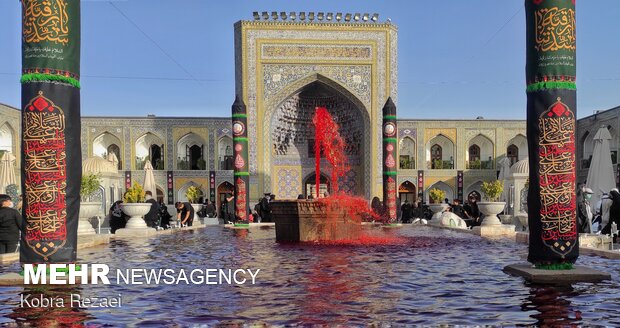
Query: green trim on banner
239	115
242	174
241	225
551	85
41	77
390	139
555	266
390	116
390	173
240	139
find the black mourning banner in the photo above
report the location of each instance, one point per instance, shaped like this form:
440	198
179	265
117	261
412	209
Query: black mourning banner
52	172
551	197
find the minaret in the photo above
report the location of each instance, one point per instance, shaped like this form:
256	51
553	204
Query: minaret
242	173
389	159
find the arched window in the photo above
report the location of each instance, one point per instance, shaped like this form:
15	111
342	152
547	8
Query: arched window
474	153
225	154
150	148
114	149
155	154
436	156
407	154
512	152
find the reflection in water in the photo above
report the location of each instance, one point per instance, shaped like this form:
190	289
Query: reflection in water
435	278
552	306
47	306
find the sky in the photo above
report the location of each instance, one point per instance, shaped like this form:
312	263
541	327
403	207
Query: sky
457	59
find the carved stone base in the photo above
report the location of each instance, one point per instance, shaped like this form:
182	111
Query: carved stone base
307	221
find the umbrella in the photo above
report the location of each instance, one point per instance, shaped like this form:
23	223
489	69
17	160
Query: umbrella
7	172
149	179
601	177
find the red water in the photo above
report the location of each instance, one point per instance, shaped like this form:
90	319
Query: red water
328	138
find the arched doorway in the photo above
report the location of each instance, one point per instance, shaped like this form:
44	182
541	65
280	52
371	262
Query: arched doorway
195	158
512	152
407	191
291	135
223	189
114	149
310	186
160	195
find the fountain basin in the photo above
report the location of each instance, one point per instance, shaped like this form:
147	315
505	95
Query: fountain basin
312	220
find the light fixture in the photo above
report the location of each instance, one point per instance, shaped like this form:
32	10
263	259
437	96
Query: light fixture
274	15
338	16
320	16
347	18
256	15
356	17
365	17
375	17
311	16
330	16
302	15
283	15
265	15
293	16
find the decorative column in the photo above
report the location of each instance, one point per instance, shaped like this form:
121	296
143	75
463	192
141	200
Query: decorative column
51	147
242	173
389	161
551	112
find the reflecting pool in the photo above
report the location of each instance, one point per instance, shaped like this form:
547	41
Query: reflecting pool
436	277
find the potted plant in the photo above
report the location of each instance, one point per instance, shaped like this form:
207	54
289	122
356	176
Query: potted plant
437	205
193	193
88	209
491	207
134	206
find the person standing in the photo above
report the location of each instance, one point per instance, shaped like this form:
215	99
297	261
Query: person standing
185	214
584	213
265	208
10	225
152	217
614	213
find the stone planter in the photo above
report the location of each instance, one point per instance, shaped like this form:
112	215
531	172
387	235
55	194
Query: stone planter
438	208
522	218
196	208
490	211
308	221
136	212
87	211
506	218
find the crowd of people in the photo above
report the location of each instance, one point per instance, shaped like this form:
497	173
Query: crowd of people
601	217
469	212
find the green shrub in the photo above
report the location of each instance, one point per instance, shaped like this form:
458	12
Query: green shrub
193	193
90	184
135	194
437	195
492	190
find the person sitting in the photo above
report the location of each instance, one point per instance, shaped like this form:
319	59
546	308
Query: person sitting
209	208
457	208
407	211
118	218
472	213
10	225
152	217
164	216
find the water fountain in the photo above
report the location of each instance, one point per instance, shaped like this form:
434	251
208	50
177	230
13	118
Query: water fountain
333	218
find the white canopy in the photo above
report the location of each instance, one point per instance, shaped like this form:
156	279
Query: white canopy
601	177
7	171
149	179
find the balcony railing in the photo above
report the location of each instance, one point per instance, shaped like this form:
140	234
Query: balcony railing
407	164
441	165
480	165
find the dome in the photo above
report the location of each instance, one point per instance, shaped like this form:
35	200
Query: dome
521	167
97	165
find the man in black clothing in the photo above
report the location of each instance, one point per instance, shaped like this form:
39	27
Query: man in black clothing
472	213
458	209
210	209
152	217
185	214
265	208
407	211
10	225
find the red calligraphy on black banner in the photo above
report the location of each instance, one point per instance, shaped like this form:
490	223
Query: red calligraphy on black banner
45	176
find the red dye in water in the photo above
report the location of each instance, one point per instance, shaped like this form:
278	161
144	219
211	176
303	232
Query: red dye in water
328	139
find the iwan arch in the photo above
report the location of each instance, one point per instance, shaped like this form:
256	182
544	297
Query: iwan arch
283	69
